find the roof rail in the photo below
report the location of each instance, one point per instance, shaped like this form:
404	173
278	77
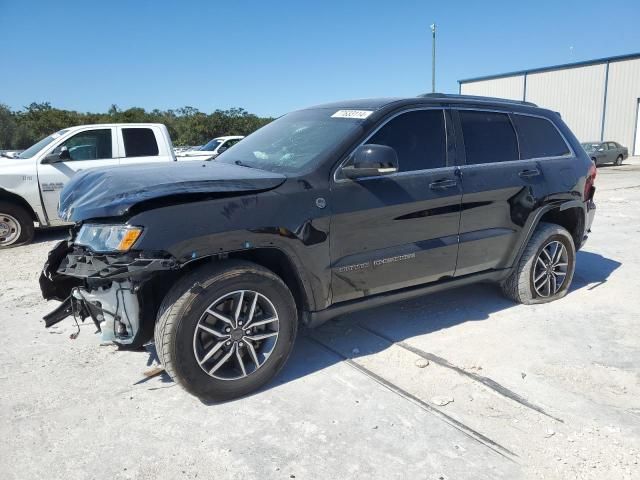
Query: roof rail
477	98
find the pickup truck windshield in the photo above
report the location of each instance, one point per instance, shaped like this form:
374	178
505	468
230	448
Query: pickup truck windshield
294	142
35	148
211	146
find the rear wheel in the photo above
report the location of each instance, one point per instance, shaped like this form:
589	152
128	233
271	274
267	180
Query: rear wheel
225	330
546	268
16	225
618	161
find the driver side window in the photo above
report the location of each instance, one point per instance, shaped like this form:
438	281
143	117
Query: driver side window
418	138
89	145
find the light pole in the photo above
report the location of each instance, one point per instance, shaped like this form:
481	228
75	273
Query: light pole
433	58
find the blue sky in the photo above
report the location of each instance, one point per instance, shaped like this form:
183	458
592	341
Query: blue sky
274	56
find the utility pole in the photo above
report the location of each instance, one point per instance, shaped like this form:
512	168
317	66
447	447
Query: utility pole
433	58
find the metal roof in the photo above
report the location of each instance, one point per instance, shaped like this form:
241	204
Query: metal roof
618	58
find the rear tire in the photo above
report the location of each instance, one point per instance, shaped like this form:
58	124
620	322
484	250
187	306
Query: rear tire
546	268
618	161
16	225
219	356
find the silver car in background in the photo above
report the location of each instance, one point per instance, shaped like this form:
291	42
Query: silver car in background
606	152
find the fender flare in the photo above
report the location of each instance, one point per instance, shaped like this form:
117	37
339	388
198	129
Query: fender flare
534	220
310	301
9	196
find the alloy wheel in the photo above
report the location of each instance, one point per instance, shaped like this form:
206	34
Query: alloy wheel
236	335
550	269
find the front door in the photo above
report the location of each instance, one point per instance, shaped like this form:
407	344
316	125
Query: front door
399	230
87	149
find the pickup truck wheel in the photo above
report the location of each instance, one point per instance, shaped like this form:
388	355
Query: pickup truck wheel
16	225
546	268
225	330
618	161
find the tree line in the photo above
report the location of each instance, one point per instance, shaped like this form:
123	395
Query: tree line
188	126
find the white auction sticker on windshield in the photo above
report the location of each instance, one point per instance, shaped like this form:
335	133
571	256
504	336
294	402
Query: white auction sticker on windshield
358	114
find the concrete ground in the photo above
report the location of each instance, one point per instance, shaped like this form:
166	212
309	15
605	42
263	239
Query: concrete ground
510	391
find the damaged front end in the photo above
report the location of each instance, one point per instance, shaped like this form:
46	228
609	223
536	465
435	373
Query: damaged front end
115	290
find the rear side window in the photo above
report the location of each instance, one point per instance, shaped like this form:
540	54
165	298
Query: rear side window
139	142
539	138
417	137
488	137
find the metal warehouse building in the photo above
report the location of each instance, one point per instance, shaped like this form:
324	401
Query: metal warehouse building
598	99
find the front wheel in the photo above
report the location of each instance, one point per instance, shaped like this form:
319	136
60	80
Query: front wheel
16	225
226	330
618	161
546	268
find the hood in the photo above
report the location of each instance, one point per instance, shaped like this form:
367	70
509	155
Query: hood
112	191
196	153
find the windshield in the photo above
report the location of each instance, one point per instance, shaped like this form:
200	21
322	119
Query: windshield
35	148
211	146
294	142
590	147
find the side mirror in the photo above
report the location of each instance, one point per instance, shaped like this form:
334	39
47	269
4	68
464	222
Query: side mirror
371	160
56	157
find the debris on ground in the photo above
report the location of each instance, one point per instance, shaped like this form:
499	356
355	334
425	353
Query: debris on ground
442	401
422	363
157	370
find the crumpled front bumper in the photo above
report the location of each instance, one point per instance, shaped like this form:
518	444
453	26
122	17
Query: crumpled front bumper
103	287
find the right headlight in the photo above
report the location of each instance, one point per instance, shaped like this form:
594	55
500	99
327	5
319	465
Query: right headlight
108	238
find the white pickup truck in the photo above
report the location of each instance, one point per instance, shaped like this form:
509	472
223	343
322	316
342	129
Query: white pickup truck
30	184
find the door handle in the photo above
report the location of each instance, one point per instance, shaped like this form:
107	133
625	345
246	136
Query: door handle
442	184
534	172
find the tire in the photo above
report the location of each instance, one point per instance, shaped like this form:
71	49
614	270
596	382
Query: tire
185	348
521	285
16	225
618	161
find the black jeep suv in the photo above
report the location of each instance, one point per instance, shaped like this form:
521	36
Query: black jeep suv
323	211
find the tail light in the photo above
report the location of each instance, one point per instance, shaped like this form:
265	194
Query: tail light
589	188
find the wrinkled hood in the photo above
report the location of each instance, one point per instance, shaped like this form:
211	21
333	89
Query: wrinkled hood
112	191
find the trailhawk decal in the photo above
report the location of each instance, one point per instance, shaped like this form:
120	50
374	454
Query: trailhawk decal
357	114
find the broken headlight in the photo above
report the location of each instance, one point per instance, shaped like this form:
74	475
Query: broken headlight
108	238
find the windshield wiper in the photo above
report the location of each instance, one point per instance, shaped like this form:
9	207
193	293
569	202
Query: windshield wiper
240	164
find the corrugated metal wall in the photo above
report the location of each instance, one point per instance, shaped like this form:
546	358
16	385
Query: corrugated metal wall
623	93
576	93
508	87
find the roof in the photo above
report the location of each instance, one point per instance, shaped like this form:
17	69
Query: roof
109	125
427	98
361	103
586	63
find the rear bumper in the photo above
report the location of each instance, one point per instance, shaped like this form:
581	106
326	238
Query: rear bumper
590	213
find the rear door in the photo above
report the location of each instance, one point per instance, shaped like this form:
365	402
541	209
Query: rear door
614	150
398	230
142	145
500	189
89	148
